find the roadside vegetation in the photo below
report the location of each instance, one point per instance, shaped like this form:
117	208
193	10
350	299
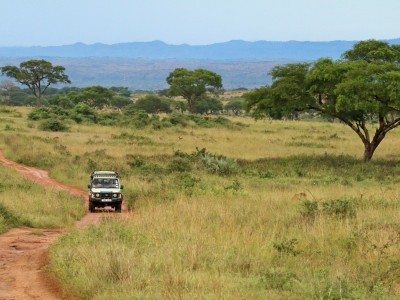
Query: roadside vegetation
24	203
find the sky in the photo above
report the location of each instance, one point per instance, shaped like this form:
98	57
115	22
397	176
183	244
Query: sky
194	22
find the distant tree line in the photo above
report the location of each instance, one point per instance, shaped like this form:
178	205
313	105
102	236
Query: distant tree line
199	89
99	97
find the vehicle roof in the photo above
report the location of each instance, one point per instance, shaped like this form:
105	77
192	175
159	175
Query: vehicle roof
104	174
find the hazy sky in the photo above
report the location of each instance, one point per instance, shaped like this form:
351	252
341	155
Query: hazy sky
195	22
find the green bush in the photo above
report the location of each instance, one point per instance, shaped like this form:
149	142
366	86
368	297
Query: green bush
279	280
176	119
287	247
153	104
179	164
53	125
342	207
220	165
39	113
309	209
234	186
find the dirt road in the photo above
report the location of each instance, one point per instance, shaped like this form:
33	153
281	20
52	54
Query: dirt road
24	251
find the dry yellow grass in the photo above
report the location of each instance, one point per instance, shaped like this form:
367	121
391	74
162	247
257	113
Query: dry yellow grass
197	235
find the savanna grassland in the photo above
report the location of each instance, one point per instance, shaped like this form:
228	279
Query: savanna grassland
244	210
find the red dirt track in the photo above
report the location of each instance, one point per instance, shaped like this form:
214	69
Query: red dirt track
24	251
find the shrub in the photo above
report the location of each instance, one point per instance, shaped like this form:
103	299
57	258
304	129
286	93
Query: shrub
108	119
39	113
342	207
277	279
176	119
187	181
235	186
153	104
309	209
139	119
53	125
136	162
217	164
179	164
287	247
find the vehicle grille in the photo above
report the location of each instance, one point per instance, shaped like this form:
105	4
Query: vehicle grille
106	195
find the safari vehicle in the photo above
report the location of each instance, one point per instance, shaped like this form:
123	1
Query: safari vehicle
105	190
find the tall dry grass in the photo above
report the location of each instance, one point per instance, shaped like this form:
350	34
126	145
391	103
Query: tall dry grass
299	217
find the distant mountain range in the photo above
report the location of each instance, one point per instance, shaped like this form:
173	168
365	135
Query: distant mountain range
145	65
265	50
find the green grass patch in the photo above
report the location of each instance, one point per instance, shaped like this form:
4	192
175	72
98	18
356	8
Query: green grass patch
24	203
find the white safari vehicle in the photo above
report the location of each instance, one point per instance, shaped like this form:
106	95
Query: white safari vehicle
105	190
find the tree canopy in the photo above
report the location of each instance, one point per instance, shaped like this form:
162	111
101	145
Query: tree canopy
361	88
192	85
95	96
153	104
37	75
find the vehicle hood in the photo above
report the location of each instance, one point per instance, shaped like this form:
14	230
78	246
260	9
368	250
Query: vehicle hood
105	190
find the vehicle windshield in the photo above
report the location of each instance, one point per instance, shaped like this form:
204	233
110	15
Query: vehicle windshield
105	183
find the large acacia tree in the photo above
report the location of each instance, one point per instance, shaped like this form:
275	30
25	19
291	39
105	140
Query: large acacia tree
362	90
193	85
37	75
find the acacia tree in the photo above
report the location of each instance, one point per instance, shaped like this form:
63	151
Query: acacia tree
361	89
95	96
193	85
37	75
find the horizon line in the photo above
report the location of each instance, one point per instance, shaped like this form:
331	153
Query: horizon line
196	45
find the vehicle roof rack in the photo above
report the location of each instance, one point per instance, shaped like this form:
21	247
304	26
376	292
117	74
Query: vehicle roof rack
102	174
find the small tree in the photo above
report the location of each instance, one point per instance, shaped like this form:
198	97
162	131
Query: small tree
95	96
37	75
363	87
153	104
6	87
235	106
192	85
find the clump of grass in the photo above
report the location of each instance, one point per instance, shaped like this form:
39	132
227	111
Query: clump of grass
306	144
179	164
279	279
288	247
9	220
343	207
309	209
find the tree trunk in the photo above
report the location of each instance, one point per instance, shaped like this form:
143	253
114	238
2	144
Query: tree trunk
38	102
370	147
368	152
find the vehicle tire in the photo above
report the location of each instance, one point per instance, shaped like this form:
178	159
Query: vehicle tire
92	208
118	207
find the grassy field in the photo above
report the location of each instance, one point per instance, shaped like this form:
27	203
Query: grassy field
261	210
24	203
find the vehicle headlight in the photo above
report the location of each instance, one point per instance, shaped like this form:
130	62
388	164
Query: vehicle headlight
97	195
115	196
